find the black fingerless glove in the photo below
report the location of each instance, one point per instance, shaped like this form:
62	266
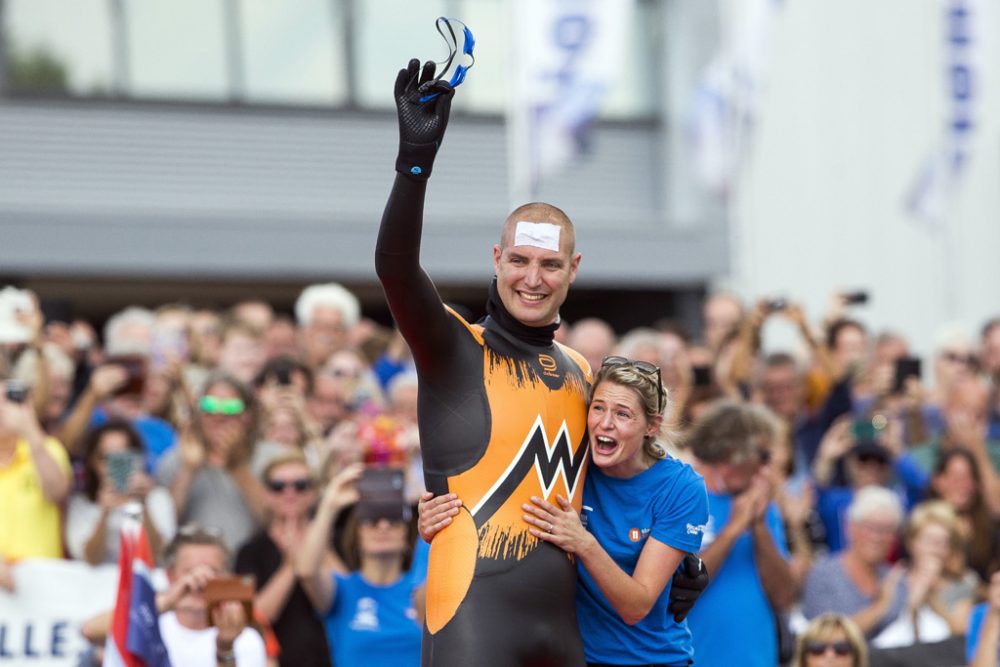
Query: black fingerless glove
421	123
689	581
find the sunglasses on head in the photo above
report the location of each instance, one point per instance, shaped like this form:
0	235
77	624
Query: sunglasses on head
652	371
279	485
216	405
819	648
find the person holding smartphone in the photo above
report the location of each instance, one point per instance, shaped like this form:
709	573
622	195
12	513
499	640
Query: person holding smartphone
34	479
372	611
114	474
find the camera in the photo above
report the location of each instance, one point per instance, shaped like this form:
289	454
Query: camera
774	305
16	392
135	369
906	367
855	298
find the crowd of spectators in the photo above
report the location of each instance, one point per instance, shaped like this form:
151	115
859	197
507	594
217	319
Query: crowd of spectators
853	500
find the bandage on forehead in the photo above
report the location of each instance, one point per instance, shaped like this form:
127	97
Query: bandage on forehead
543	235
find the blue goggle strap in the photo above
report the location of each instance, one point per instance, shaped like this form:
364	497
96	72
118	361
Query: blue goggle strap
458	76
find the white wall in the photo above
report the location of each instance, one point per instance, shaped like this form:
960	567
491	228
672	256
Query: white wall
856	101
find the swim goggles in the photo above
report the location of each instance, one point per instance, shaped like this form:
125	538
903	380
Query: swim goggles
459	42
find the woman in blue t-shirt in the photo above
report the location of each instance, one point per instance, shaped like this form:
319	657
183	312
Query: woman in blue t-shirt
370	613
642	511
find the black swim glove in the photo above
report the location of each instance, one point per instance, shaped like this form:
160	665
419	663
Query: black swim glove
421	124
689	581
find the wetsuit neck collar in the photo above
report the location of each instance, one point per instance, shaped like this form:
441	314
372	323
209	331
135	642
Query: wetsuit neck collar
499	313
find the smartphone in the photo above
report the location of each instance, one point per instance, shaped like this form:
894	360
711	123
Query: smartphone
230	589
856	298
381	495
135	368
774	305
16	391
906	367
168	344
863	430
283	375
702	376
121	465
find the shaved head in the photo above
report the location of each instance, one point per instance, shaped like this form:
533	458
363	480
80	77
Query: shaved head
538	212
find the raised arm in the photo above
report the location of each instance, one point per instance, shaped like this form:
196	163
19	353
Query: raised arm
412	297
317	582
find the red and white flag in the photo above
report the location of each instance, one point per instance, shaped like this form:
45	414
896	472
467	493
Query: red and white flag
134	640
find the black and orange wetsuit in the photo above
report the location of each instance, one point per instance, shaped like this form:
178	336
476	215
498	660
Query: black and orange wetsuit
502	413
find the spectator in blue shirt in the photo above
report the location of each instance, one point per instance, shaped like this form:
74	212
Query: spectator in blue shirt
370	608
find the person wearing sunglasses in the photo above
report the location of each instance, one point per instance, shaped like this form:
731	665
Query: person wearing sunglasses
370	601
209	473
831	640
642	512
270	557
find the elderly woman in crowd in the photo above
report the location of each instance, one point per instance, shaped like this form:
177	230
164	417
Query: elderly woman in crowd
831	640
857	581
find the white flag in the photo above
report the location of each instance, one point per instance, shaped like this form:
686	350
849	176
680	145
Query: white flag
727	99
567	54
963	25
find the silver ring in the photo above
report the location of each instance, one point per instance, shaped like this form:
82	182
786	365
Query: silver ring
551	529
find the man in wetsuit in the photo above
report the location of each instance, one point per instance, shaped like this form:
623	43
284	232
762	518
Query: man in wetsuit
502	414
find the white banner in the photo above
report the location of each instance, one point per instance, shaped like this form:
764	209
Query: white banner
566	55
40	622
963	25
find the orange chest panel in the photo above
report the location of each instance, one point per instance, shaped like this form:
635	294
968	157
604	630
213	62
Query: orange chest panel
537	447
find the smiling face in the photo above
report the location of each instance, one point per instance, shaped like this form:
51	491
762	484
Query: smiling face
618	426
956	484
533	281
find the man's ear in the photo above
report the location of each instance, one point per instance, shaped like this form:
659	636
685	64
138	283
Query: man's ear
497	254
574	266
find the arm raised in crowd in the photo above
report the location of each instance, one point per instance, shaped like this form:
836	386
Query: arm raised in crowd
317	581
20	419
103	383
988	642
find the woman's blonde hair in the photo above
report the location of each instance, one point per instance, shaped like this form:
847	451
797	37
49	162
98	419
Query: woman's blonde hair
648	389
825	625
943	514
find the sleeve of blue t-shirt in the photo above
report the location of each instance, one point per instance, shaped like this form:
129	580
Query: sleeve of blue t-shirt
975	626
681	513
340	583
913	478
